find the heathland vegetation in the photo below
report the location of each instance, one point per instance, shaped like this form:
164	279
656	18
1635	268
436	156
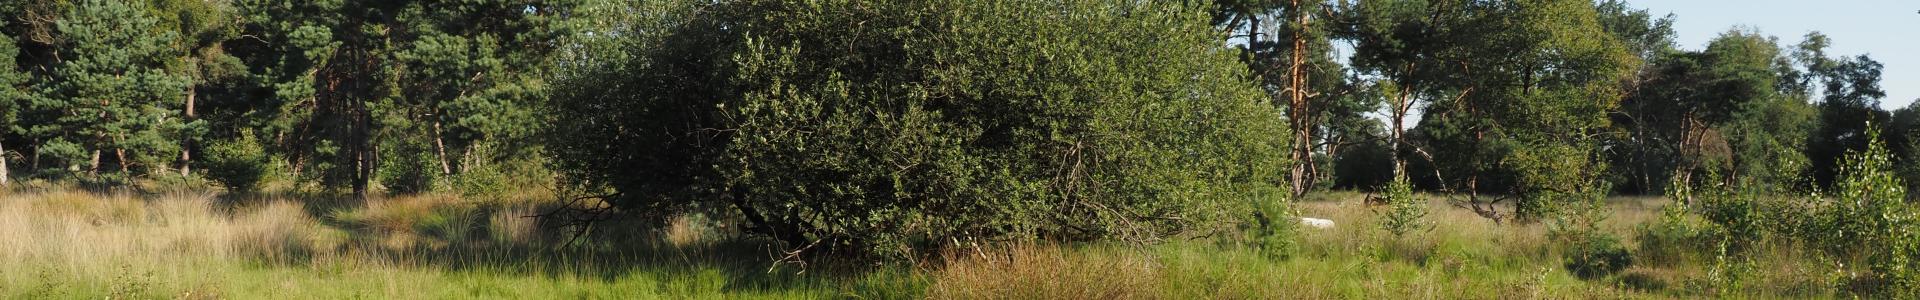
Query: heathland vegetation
938	149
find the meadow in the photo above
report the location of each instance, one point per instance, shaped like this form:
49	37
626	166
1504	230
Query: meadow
68	244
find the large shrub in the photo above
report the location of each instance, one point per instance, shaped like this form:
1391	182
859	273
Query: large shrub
1868	223
881	126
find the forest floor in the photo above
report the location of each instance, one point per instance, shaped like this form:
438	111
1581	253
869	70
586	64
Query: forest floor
61	244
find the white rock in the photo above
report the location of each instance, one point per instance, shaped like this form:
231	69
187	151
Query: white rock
1317	223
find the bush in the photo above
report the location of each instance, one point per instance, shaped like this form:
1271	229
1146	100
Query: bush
1273	227
1737	216
1597	256
1868	223
488	173
240	164
1405	213
884	127
1578	218
1676	238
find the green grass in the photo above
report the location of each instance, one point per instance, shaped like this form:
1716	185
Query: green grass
73	245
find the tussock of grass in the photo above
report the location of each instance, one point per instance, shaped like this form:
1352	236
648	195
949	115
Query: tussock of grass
1046	272
281	231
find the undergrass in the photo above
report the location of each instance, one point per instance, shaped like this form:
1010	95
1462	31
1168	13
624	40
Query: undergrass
184	245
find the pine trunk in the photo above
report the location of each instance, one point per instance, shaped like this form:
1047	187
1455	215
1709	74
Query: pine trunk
186	143
1402	103
3	164
121	154
1301	114
93	165
440	150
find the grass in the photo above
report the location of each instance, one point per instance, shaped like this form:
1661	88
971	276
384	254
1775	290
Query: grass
187	245
74	245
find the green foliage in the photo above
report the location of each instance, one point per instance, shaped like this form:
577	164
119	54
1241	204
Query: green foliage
1770	142
1365	163
240	164
1850	93
1405	212
112	104
397	93
1738	218
1643	33
487	175
1676	238
1509	126
1578	224
12	95
1274	227
948	120
1597	256
409	168
1868	223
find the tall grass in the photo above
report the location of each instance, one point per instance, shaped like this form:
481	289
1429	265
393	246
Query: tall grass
189	245
77	245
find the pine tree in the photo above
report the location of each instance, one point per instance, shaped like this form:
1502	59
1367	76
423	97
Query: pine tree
107	100
13	95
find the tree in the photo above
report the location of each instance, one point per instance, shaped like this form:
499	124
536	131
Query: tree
203	27
884	127
1532	88
1849	89
385	92
1644	35
1401	42
1639	158
1295	66
106	88
12	97
1689	99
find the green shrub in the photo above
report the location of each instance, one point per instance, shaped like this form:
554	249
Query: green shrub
409	168
487	173
1405	213
1589	250
1672	240
1737	217
885	127
1273	227
240	164
1597	256
1868	223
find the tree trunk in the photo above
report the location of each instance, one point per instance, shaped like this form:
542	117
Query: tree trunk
93	166
33	163
1253	39
1402	103
363	159
1689	148
466	158
121	154
1301	114
440	150
186	143
3	165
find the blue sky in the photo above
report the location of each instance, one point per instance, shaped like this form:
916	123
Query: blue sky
1887	30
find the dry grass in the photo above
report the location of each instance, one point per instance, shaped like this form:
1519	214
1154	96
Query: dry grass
282	231
65	244
1046	272
195	246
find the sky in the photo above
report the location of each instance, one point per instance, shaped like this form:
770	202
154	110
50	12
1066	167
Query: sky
1887	30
